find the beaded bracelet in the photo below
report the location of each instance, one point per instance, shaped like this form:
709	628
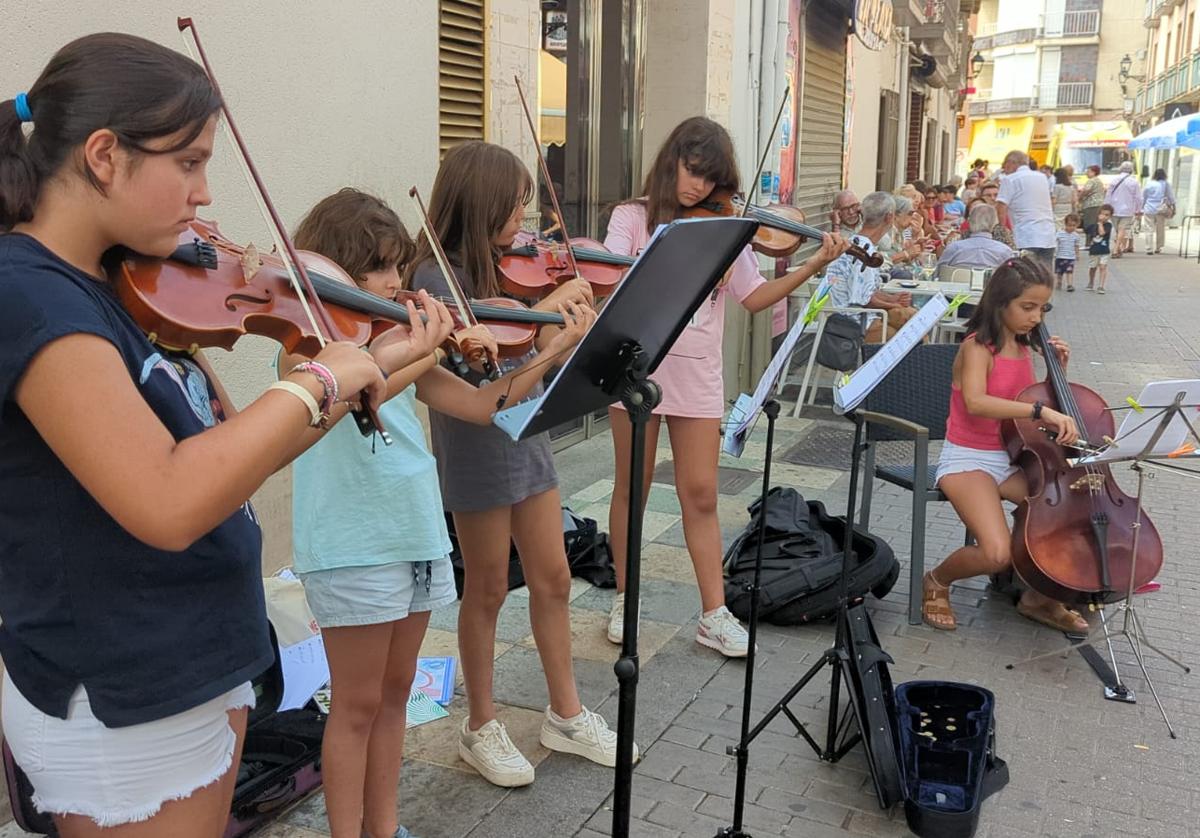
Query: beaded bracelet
328	381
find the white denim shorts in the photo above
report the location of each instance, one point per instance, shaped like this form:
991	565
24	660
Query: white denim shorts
956	459
381	593
118	775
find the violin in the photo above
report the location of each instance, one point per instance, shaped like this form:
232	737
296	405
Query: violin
781	228
535	270
1073	538
534	267
211	292
511	323
198	321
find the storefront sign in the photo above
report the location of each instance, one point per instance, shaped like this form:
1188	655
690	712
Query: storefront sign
873	22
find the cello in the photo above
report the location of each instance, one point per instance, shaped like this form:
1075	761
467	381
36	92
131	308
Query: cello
1073	539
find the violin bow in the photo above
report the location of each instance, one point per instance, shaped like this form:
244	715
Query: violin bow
545	169
457	295
762	161
367	418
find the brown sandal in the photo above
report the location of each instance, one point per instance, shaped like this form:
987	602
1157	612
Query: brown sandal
935	605
1064	620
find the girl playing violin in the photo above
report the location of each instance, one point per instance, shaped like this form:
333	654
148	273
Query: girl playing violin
370	538
131	596
499	490
696	159
994	364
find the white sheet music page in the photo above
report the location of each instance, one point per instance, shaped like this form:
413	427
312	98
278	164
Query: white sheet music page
863	380
745	411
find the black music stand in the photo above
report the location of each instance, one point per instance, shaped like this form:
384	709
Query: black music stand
674	275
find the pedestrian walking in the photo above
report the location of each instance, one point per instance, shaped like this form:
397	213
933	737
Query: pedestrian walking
1124	195
1158	204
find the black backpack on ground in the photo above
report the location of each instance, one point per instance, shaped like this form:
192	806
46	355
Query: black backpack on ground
588	554
802	561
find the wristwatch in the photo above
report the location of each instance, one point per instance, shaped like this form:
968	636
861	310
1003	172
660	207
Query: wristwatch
1037	410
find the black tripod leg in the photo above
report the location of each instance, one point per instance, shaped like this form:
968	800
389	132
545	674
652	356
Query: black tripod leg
640	399
742	749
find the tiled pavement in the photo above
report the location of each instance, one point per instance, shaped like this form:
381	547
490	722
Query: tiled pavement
1081	767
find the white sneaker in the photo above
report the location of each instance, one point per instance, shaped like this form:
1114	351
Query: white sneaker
616	620
490	752
587	735
721	630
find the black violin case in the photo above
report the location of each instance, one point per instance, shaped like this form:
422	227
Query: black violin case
281	762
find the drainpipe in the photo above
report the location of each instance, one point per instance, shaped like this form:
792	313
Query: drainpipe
902	44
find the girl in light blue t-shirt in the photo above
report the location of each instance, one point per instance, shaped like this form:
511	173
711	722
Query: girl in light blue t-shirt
369	535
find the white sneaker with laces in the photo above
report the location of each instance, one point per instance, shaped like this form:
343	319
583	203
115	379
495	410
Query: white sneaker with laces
721	630
490	752
587	735
616	620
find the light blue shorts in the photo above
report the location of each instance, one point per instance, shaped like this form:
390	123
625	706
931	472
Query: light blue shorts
381	593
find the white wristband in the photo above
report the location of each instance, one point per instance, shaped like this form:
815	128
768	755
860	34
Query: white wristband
300	392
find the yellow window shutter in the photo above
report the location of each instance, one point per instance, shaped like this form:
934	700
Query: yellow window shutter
462	72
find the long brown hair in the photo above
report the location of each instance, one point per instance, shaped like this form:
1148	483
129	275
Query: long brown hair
476	190
358	231
137	89
1007	282
705	148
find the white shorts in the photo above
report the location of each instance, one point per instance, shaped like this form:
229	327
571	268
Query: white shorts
380	593
956	459
119	775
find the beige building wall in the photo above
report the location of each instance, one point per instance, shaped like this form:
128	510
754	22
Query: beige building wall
689	55
1121	33
326	95
871	71
513	43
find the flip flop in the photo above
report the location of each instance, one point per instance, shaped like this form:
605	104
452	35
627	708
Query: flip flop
1065	622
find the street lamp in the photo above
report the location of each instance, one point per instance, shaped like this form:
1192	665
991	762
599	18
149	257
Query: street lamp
1123	74
976	64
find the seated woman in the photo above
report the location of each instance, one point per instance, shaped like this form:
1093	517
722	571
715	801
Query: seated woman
994	364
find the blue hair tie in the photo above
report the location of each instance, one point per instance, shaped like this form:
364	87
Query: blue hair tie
23	112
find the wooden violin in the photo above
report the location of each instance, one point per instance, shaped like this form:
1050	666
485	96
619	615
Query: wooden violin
781	228
1073	539
534	267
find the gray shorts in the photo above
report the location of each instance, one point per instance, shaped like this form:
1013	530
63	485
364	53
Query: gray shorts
382	593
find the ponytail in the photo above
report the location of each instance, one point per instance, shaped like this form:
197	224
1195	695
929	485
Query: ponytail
139	90
18	183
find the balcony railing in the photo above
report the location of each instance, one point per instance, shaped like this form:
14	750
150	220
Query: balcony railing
1150	15
1079	24
1042	97
1171	84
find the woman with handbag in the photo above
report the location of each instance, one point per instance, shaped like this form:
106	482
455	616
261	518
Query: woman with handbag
1158	204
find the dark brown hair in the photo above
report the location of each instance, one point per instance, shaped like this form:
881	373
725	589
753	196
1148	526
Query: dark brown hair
1007	282
358	231
705	148
476	190
137	89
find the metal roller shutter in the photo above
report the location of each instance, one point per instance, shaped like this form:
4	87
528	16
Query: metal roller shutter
822	112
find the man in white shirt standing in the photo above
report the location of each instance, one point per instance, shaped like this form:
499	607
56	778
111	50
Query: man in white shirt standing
1125	196
1025	200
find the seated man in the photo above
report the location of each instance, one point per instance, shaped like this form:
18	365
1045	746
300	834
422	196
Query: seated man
979	249
852	284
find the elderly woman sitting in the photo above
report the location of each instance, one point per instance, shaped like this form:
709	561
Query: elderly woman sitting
979	249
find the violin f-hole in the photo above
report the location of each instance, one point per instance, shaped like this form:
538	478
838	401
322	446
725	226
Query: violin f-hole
234	301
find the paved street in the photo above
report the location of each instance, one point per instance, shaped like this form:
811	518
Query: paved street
1080	766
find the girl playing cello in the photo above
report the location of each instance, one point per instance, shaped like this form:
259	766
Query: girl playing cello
994	364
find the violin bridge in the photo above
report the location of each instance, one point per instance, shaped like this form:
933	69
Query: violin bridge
251	263
1089	482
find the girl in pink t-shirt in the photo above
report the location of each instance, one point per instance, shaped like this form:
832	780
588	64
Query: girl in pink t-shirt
696	159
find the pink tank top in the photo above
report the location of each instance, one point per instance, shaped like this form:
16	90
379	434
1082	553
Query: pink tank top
1009	376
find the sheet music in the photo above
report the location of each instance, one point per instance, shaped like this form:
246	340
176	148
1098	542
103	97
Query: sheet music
1137	428
850	394
745	411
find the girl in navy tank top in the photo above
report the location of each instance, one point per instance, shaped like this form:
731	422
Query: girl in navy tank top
993	366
